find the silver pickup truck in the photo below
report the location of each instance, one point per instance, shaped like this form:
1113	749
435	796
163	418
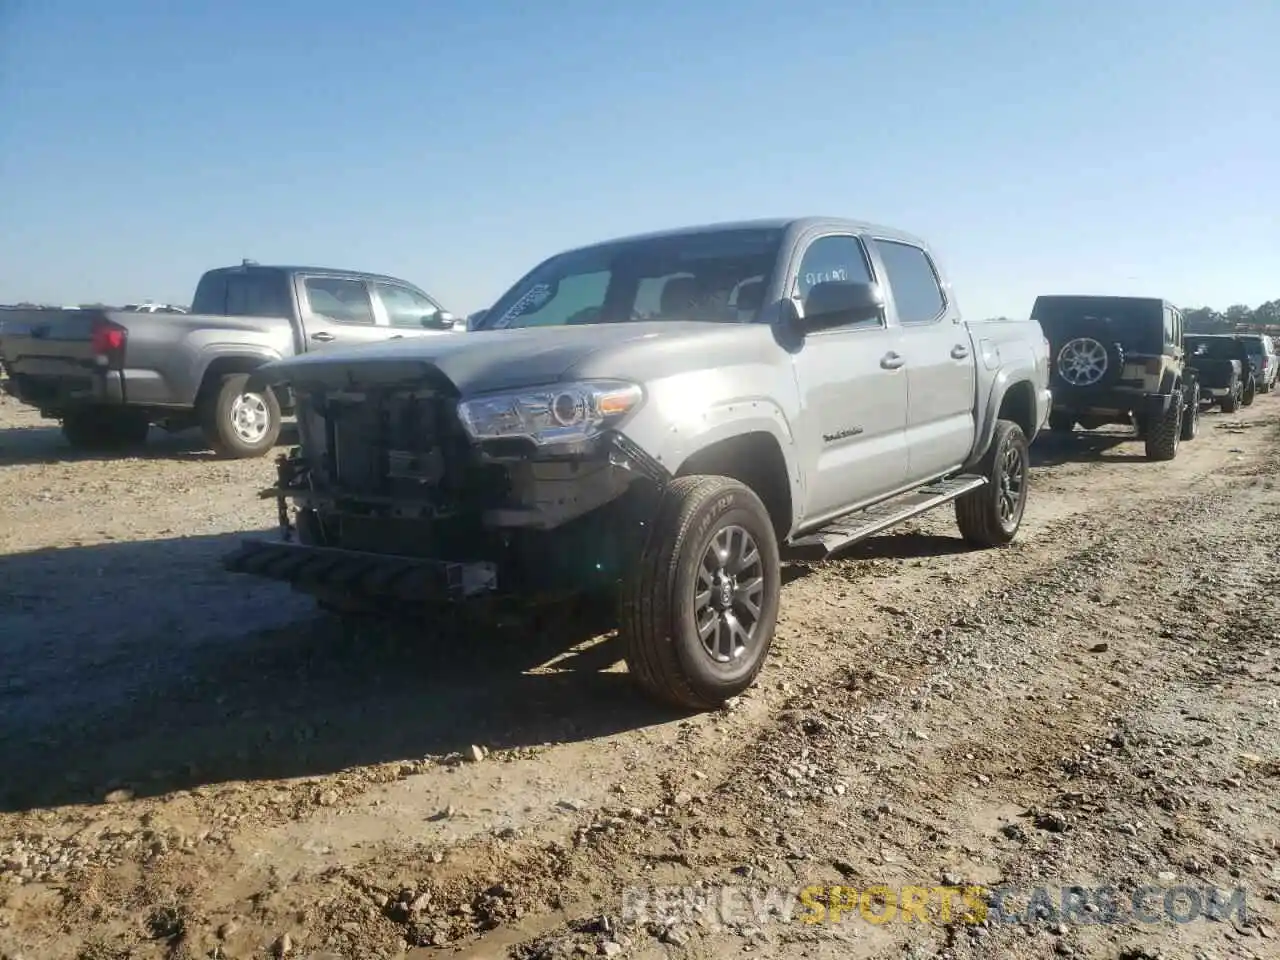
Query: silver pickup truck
109	375
666	417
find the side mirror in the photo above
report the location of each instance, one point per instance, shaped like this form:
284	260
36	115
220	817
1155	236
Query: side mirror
836	303
444	320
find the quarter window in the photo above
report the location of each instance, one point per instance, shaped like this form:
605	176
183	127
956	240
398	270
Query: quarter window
917	295
340	299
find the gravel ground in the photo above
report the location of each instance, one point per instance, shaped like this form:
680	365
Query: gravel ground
198	765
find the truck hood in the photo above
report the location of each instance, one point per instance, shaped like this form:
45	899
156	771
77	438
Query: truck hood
478	362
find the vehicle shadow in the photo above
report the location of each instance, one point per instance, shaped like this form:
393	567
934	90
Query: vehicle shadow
44	444
145	666
1055	450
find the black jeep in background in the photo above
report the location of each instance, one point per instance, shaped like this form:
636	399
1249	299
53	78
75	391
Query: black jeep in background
1119	360
1225	369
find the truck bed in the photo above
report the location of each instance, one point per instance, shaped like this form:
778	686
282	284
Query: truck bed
49	359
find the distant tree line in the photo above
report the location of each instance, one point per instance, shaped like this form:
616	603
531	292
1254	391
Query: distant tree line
1236	317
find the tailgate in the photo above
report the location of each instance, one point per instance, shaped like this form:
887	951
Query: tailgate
49	354
36	340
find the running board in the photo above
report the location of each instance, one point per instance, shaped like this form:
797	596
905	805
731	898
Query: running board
860	524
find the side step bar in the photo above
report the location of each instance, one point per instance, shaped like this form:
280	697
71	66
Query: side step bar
860	524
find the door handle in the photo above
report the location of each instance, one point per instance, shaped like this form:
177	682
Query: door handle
323	337
891	361
397	336
959	351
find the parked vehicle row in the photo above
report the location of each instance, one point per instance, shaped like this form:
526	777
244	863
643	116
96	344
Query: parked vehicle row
108	376
662	419
1128	360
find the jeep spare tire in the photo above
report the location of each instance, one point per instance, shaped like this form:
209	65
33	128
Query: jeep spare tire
698	612
1087	360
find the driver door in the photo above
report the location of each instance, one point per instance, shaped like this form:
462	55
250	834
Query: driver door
407	312
853	389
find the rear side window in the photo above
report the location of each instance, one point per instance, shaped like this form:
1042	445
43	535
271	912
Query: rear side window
254	293
339	299
917	295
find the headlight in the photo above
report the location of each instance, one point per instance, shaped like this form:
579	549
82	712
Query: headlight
560	413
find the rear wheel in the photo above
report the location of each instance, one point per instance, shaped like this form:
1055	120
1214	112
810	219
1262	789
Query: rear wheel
1247	395
1165	433
990	516
238	423
101	430
1232	399
1191	415
698	613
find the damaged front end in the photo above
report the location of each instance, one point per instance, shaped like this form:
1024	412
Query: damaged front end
400	490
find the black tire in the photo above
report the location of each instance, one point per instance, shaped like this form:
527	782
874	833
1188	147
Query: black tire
1165	433
658	609
990	516
1191	415
1249	393
1231	401
96	430
1060	422
226	426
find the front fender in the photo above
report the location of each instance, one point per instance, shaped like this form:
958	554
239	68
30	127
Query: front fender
672	442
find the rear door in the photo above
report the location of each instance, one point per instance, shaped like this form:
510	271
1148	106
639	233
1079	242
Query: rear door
337	311
940	366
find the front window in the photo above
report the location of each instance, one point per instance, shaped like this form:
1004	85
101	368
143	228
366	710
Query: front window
714	276
405	307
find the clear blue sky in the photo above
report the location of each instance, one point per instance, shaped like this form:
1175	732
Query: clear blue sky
1127	147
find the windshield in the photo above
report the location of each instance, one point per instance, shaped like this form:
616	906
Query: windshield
717	276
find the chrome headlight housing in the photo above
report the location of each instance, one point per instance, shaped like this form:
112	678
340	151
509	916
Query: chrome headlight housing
557	413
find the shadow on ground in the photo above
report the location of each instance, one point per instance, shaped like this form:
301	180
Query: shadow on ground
145	665
44	444
1055	449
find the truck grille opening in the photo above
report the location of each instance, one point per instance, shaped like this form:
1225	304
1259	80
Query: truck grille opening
398	455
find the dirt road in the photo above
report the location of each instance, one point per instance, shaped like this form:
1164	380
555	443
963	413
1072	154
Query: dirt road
197	765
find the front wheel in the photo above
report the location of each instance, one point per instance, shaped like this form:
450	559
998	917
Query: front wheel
990	516
238	423
697	615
